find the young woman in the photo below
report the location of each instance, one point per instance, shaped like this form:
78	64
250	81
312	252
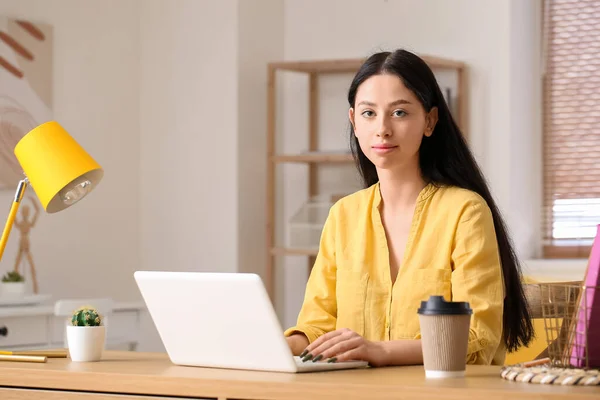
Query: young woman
425	224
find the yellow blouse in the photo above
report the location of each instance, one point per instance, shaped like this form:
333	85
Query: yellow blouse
451	251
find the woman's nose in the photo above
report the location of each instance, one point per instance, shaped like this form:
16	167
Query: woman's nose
384	128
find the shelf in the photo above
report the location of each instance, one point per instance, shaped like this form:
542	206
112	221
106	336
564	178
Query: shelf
332	66
352	65
282	251
326	158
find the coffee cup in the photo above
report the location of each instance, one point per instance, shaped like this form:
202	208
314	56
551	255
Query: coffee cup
444	336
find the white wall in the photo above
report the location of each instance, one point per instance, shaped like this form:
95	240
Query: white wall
188	138
524	178
202	110
171	101
203	124
92	248
188	130
260	40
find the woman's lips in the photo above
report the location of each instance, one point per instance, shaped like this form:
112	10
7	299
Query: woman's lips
383	148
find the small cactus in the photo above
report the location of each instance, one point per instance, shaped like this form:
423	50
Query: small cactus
13	276
86	316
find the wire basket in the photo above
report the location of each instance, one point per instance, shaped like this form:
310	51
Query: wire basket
566	310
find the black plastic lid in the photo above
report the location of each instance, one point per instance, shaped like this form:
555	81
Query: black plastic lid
436	305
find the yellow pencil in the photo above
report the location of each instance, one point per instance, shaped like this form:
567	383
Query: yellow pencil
41	353
35	359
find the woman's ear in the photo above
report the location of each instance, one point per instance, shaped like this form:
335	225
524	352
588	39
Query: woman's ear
431	121
351	118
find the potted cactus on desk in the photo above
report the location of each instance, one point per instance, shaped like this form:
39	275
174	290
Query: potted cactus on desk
86	334
13	284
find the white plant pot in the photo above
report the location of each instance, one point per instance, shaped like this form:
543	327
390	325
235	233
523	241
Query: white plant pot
13	289
86	343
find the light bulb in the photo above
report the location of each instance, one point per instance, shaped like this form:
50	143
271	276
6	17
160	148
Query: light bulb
76	190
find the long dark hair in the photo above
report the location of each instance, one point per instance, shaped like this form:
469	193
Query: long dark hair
445	159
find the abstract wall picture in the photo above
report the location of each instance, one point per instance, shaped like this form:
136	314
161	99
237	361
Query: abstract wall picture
25	88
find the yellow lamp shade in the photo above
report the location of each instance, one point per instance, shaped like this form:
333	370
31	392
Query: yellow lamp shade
59	170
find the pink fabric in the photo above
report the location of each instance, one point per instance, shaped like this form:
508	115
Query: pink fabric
588	320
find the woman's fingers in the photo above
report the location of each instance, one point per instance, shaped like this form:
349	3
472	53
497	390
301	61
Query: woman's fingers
324	342
324	338
342	346
355	353
333	346
325	349
309	351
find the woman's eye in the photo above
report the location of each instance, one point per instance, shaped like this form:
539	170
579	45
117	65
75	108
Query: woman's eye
399	113
367	113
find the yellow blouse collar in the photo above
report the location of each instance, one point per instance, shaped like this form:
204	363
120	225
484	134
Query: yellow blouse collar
424	194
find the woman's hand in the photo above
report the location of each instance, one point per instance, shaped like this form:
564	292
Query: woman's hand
345	345
297	343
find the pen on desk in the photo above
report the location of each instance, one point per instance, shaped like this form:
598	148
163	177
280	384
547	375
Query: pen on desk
34	359
41	353
535	363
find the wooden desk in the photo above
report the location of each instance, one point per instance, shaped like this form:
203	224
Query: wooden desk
130	375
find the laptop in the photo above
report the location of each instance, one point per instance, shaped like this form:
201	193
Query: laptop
221	320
